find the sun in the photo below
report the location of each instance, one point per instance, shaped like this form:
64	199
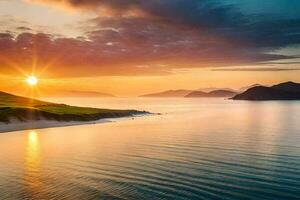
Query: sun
32	80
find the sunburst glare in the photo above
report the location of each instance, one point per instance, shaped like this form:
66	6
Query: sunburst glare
32	80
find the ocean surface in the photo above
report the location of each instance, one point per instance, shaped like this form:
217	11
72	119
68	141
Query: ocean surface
197	149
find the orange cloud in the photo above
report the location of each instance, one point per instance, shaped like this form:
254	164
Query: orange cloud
148	38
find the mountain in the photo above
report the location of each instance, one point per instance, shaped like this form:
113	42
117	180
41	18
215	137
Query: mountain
169	93
222	93
282	91
243	89
196	94
209	89
288	86
215	93
18	108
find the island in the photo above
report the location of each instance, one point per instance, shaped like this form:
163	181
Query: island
168	94
15	111
283	91
192	93
214	93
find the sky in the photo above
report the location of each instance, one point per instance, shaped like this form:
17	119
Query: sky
133	47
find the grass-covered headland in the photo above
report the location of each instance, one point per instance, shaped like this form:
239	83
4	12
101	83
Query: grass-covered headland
24	109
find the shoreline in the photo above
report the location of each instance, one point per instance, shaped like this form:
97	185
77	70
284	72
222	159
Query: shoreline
43	124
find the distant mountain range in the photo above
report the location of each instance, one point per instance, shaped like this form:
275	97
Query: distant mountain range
169	93
192	94
214	93
282	91
210	89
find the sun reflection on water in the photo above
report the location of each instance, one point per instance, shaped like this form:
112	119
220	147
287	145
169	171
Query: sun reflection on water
33	140
32	163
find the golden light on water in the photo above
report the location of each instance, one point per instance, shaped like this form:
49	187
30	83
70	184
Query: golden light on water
33	138
32	163
32	80
32	156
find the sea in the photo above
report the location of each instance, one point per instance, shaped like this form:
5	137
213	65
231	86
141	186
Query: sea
193	149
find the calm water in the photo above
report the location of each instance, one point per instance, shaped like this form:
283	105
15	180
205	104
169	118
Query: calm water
198	149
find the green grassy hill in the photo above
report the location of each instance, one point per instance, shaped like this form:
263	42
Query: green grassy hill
23	109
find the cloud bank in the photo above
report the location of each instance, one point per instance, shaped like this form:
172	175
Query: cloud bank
151	37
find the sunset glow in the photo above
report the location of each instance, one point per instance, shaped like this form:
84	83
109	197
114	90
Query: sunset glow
150	99
129	48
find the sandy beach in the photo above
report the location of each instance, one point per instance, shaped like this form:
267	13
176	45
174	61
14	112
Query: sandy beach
41	124
16	125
